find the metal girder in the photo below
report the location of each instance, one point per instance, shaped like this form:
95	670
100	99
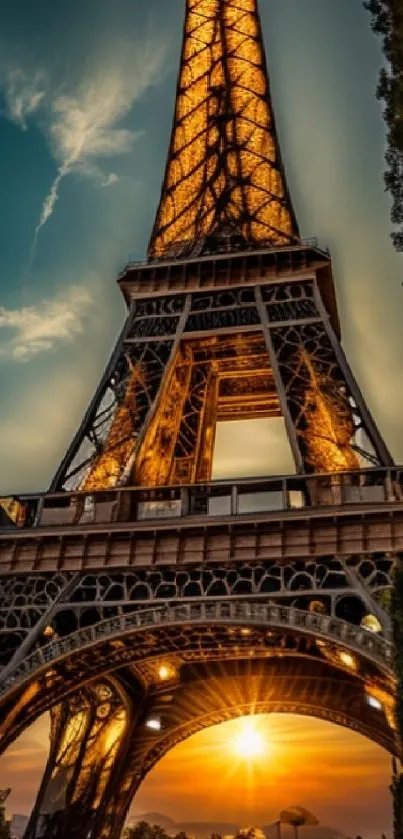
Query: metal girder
224	180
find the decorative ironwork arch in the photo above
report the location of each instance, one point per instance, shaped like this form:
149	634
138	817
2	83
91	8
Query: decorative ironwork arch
376	649
188	632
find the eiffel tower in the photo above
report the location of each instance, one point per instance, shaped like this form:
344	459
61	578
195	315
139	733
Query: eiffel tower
148	595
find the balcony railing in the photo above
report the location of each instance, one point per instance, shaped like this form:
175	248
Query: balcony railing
134	262
294	494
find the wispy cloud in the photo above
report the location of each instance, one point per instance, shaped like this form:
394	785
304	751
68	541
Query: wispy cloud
31	330
85	125
23	94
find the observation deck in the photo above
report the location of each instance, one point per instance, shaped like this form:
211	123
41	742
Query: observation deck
174	273
274	518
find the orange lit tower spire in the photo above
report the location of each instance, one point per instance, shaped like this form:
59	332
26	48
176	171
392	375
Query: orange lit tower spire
224	179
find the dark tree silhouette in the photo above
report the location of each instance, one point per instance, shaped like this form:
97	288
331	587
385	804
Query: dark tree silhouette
387	22
144	830
4	825
159	832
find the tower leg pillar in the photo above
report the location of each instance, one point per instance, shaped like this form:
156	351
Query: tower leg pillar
122	787
88	734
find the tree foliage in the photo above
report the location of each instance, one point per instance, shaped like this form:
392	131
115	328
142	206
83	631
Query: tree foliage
144	830
387	22
250	833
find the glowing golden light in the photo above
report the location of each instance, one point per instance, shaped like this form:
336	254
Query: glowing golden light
249	742
223	74
166	671
14	510
347	660
371	623
318	607
115	731
330	427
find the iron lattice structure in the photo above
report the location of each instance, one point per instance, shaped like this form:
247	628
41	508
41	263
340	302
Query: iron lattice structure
187	361
224	178
140	600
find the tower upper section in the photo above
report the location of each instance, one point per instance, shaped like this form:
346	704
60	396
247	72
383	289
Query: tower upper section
224	183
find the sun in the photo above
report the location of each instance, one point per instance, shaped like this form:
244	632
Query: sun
249	742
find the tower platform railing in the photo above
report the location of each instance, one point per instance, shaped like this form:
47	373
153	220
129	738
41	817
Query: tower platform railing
263	496
135	261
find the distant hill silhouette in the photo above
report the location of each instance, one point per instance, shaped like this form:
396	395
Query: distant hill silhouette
156	818
203	830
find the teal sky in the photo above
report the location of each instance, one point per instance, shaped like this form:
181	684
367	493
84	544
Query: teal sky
86	99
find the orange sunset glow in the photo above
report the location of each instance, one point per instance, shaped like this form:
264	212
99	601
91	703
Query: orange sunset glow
225	775
338	774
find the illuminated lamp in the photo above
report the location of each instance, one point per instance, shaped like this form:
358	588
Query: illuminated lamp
371	623
48	632
166	671
153	723
318	607
373	702
348	660
245	630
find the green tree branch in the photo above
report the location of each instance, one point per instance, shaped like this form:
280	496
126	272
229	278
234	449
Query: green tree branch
387	22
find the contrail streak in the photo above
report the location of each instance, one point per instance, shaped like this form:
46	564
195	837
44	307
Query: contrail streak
51	198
